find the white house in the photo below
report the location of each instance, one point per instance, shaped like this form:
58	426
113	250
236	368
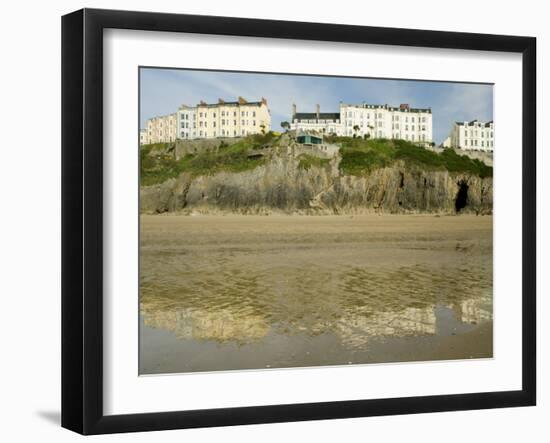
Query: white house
374	121
321	122
472	136
187	122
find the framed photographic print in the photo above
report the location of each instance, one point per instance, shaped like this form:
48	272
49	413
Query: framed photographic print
270	221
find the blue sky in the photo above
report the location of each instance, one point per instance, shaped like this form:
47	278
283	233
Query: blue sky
162	91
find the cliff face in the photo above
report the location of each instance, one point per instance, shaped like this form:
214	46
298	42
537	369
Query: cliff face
282	186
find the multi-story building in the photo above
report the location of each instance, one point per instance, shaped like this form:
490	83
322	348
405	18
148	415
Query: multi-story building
223	119
472	136
383	121
232	119
143	138
161	129
366	120
321	122
187	122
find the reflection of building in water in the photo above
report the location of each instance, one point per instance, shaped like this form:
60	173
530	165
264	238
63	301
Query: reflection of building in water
356	329
473	310
220	325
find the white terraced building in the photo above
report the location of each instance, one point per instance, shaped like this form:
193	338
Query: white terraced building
209	120
187	122
373	121
321	122
472	136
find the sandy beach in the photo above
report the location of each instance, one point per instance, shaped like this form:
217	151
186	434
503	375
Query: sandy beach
250	292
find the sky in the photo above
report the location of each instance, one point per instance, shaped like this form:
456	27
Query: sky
162	91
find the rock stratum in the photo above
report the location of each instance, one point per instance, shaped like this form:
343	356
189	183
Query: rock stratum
282	185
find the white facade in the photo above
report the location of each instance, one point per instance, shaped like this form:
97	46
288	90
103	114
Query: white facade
143	137
322	123
187	122
472	136
383	121
373	121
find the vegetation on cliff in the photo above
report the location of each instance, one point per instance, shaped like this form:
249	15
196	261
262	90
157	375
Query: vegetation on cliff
307	161
158	162
360	156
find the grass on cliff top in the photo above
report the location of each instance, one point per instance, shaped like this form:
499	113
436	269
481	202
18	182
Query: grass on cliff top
307	161
158	163
359	156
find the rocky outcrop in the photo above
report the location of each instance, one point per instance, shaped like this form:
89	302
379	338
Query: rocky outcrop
281	185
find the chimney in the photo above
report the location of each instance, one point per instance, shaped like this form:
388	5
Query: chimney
220	101
242	101
264	101
203	103
293	110
318	111
404	106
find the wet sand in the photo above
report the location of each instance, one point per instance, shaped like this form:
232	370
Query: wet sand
249	292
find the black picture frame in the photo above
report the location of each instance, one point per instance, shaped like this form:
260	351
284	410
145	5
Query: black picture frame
82	220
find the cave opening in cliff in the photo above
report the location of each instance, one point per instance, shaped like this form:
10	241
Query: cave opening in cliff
461	199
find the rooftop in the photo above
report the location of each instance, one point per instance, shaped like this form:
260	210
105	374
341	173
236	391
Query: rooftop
473	122
313	116
239	102
400	108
